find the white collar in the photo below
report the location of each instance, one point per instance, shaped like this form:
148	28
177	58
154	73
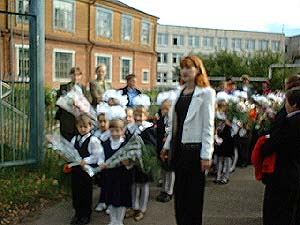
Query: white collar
292	114
145	125
82	139
115	144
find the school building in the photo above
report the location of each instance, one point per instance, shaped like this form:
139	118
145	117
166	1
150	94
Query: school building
82	33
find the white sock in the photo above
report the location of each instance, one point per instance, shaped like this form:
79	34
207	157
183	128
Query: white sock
144	198
113	215
136	190
120	215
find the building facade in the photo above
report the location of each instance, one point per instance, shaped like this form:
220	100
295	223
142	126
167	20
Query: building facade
83	33
174	42
292	54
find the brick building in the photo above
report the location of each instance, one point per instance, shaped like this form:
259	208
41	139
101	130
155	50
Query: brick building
84	33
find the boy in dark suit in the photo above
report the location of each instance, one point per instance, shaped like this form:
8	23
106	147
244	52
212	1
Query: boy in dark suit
282	191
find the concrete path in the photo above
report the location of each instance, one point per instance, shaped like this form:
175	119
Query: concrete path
237	203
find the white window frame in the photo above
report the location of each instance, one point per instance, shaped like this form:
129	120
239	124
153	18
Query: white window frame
236	44
248	45
148	76
163	54
110	62
180	39
209	42
74	15
164	39
222	43
149	32
18	47
121	27
178	56
98	10
192	41
53	64
19	18
275	46
121	65
260	45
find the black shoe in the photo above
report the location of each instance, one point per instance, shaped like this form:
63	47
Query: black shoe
74	220
83	221
164	197
160	197
167	198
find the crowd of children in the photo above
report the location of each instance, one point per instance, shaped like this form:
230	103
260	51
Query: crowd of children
124	190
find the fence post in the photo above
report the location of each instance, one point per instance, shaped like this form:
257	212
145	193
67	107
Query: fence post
36	71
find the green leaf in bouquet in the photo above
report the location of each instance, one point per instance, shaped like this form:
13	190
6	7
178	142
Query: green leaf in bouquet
150	163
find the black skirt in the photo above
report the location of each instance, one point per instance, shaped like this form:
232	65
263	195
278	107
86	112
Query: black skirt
116	187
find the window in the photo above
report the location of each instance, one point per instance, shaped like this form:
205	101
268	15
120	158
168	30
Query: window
174	78
222	43
263	45
208	42
162	39
176	57
145	33
126	28
250	44
22	62
63	61
22	6
178	40
103	22
236	44
126	67
64	15
194	41
162	57
162	77
275	46
145	76
107	61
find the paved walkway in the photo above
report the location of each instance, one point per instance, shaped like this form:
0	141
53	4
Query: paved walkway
237	203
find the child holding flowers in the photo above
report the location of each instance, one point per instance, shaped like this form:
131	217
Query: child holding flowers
224	144
91	151
140	188
117	181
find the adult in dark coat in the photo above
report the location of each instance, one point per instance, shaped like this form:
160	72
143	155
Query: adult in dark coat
291	82
282	191
130	90
67	120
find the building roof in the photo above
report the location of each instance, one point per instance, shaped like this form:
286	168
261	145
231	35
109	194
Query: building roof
205	28
119	3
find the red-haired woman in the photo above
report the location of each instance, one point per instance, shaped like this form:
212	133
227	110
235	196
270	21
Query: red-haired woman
190	140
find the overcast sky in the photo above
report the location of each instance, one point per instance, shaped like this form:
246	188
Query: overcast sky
255	15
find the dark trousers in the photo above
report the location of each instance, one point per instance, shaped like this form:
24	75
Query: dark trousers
82	190
242	144
281	206
189	186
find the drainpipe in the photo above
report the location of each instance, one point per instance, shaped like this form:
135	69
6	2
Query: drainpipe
89	46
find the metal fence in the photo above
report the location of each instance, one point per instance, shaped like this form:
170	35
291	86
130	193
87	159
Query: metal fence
19	125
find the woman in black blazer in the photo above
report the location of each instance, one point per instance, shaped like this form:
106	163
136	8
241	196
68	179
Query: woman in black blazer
282	191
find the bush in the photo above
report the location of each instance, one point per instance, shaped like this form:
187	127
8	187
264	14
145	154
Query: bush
25	189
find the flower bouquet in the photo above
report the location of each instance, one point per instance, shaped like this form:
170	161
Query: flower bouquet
132	151
67	151
76	103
